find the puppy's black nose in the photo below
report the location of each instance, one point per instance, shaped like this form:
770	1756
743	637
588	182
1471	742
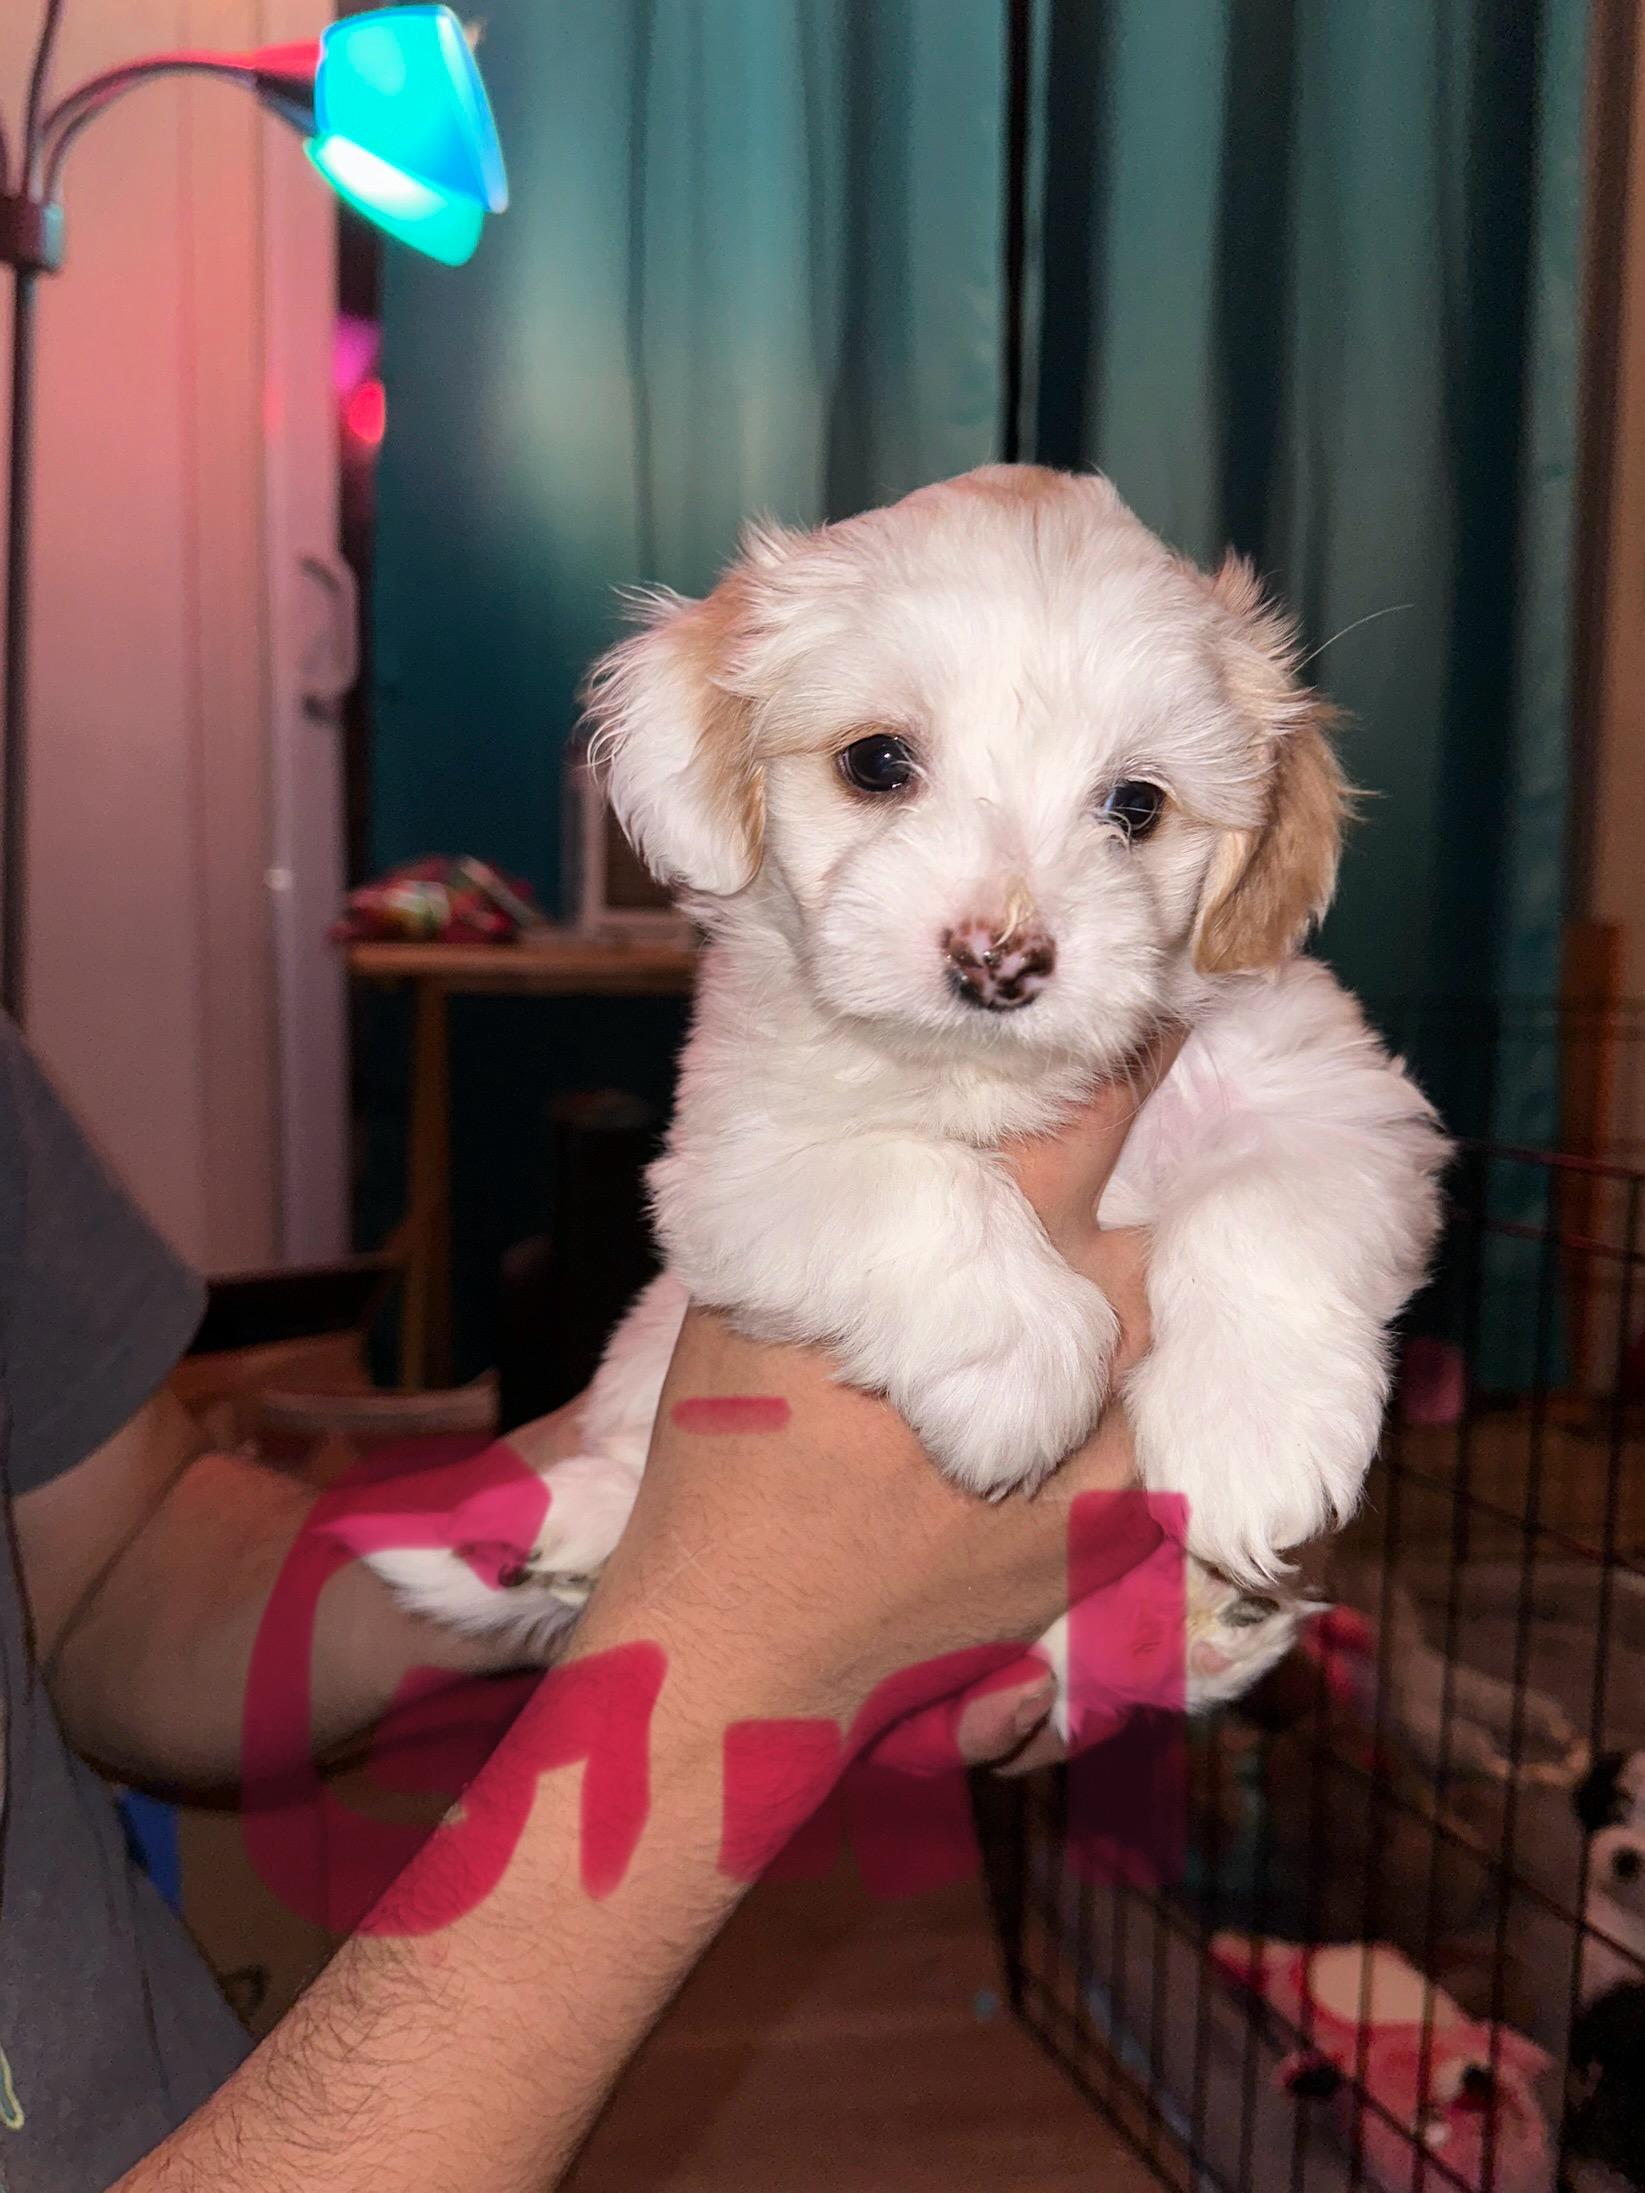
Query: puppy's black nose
998	965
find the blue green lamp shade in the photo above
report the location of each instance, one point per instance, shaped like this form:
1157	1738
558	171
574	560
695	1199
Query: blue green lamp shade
436	222
403	128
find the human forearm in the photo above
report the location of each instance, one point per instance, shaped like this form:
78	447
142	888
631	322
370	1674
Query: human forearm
477	2053
149	1673
477	2056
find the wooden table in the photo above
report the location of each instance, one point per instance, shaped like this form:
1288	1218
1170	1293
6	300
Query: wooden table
546	963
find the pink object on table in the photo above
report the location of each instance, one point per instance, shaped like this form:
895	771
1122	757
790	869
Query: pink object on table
464	901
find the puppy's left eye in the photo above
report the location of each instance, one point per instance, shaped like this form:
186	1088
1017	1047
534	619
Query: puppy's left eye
879	763
1136	806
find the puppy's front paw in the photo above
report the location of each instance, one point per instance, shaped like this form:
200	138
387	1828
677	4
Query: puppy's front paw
1002	1394
1266	1454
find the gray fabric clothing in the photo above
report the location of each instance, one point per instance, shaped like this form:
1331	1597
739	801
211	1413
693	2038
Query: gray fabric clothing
111	2027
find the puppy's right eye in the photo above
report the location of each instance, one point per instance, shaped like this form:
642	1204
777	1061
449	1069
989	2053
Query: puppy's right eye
1136	806
880	763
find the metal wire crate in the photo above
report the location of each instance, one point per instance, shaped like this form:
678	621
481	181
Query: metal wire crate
1411	1778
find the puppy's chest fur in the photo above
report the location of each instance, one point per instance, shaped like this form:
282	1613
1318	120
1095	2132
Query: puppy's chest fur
765	1074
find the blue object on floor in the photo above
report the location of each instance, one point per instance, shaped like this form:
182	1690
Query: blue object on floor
151	1833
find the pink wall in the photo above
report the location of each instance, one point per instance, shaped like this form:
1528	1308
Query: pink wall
150	958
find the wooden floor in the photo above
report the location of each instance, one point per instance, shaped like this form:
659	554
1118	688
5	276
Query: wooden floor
833	2044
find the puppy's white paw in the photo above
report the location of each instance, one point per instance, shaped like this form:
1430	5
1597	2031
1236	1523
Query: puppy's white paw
443	1587
1006	1391
590	1498
1267	1450
524	1604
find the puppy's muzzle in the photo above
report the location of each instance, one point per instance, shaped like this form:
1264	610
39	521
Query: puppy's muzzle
998	965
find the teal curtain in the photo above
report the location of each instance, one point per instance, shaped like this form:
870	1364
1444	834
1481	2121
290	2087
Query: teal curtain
1299	274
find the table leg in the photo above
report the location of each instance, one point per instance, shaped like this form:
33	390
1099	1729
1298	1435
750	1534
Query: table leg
425	1321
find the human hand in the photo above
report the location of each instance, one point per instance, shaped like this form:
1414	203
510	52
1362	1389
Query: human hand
1119	1648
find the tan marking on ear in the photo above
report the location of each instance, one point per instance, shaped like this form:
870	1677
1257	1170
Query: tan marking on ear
707	636
1268	885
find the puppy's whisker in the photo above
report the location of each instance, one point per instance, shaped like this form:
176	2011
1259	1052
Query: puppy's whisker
1373	616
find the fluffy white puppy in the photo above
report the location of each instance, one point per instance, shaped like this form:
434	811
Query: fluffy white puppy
971	796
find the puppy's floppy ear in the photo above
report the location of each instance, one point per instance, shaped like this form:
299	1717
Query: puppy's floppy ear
673	744
1267	885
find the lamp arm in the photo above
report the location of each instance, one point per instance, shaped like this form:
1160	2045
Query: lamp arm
35	103
71	115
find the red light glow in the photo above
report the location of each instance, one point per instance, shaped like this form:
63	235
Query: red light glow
366	414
